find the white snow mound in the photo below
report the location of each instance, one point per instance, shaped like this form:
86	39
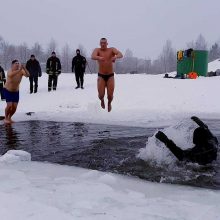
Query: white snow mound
13	156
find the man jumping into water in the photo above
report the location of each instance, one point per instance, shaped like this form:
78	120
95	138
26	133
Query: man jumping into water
11	89
106	57
204	151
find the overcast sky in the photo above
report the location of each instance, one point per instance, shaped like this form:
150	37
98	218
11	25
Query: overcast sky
141	25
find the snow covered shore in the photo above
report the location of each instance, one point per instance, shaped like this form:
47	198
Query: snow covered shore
140	100
32	190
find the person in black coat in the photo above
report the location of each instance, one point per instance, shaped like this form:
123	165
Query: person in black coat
53	69
204	151
2	82
33	66
79	66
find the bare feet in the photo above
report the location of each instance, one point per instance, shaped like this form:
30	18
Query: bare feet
6	121
109	107
103	103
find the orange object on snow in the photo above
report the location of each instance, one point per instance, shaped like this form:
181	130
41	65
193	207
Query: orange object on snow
192	75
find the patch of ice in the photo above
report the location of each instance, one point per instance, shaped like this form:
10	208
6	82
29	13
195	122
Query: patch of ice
13	156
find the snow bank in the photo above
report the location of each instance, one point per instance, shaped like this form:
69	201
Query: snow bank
32	191
13	156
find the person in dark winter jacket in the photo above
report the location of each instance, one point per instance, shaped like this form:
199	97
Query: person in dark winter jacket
53	69
79	66
2	82
204	151
33	66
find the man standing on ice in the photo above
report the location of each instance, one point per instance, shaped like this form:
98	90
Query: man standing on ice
33	66
79	67
11	88
53	71
106	57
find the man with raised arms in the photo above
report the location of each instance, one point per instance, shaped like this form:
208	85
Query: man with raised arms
106	57
11	88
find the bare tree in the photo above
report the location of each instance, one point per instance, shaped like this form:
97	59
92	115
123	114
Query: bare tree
23	52
201	43
82	49
37	50
52	46
1	44
128	53
191	44
66	58
129	62
214	52
168	57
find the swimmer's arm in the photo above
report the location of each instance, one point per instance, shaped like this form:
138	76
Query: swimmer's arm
199	122
95	55
117	53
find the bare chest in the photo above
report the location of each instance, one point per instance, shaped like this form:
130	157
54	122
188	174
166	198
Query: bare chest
107	54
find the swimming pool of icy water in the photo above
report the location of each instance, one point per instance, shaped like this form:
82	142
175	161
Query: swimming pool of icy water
103	147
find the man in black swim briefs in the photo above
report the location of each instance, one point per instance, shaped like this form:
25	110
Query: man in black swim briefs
106	57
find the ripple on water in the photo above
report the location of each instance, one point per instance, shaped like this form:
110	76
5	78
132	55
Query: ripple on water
105	148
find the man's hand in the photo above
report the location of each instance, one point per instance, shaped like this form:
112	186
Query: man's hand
21	67
101	58
114	59
199	122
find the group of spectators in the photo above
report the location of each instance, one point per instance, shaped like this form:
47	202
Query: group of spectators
53	69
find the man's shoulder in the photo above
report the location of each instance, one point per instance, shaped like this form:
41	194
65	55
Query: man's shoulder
9	71
97	49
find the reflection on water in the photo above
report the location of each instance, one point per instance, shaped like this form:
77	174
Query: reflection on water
12	140
102	147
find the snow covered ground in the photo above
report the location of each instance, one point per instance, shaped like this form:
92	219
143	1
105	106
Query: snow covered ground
140	100
31	190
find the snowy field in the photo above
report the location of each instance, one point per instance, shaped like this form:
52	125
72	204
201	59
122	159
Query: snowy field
32	190
140	100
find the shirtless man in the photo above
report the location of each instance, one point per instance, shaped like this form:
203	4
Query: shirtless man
11	89
106	57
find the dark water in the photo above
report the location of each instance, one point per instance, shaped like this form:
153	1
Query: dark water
103	147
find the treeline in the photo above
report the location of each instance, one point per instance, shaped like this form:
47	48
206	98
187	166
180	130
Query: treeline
166	61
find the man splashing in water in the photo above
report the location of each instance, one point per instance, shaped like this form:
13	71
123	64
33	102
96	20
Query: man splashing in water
106	57
206	145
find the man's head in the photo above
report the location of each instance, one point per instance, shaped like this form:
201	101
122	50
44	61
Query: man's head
15	64
78	52
53	54
103	43
32	57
